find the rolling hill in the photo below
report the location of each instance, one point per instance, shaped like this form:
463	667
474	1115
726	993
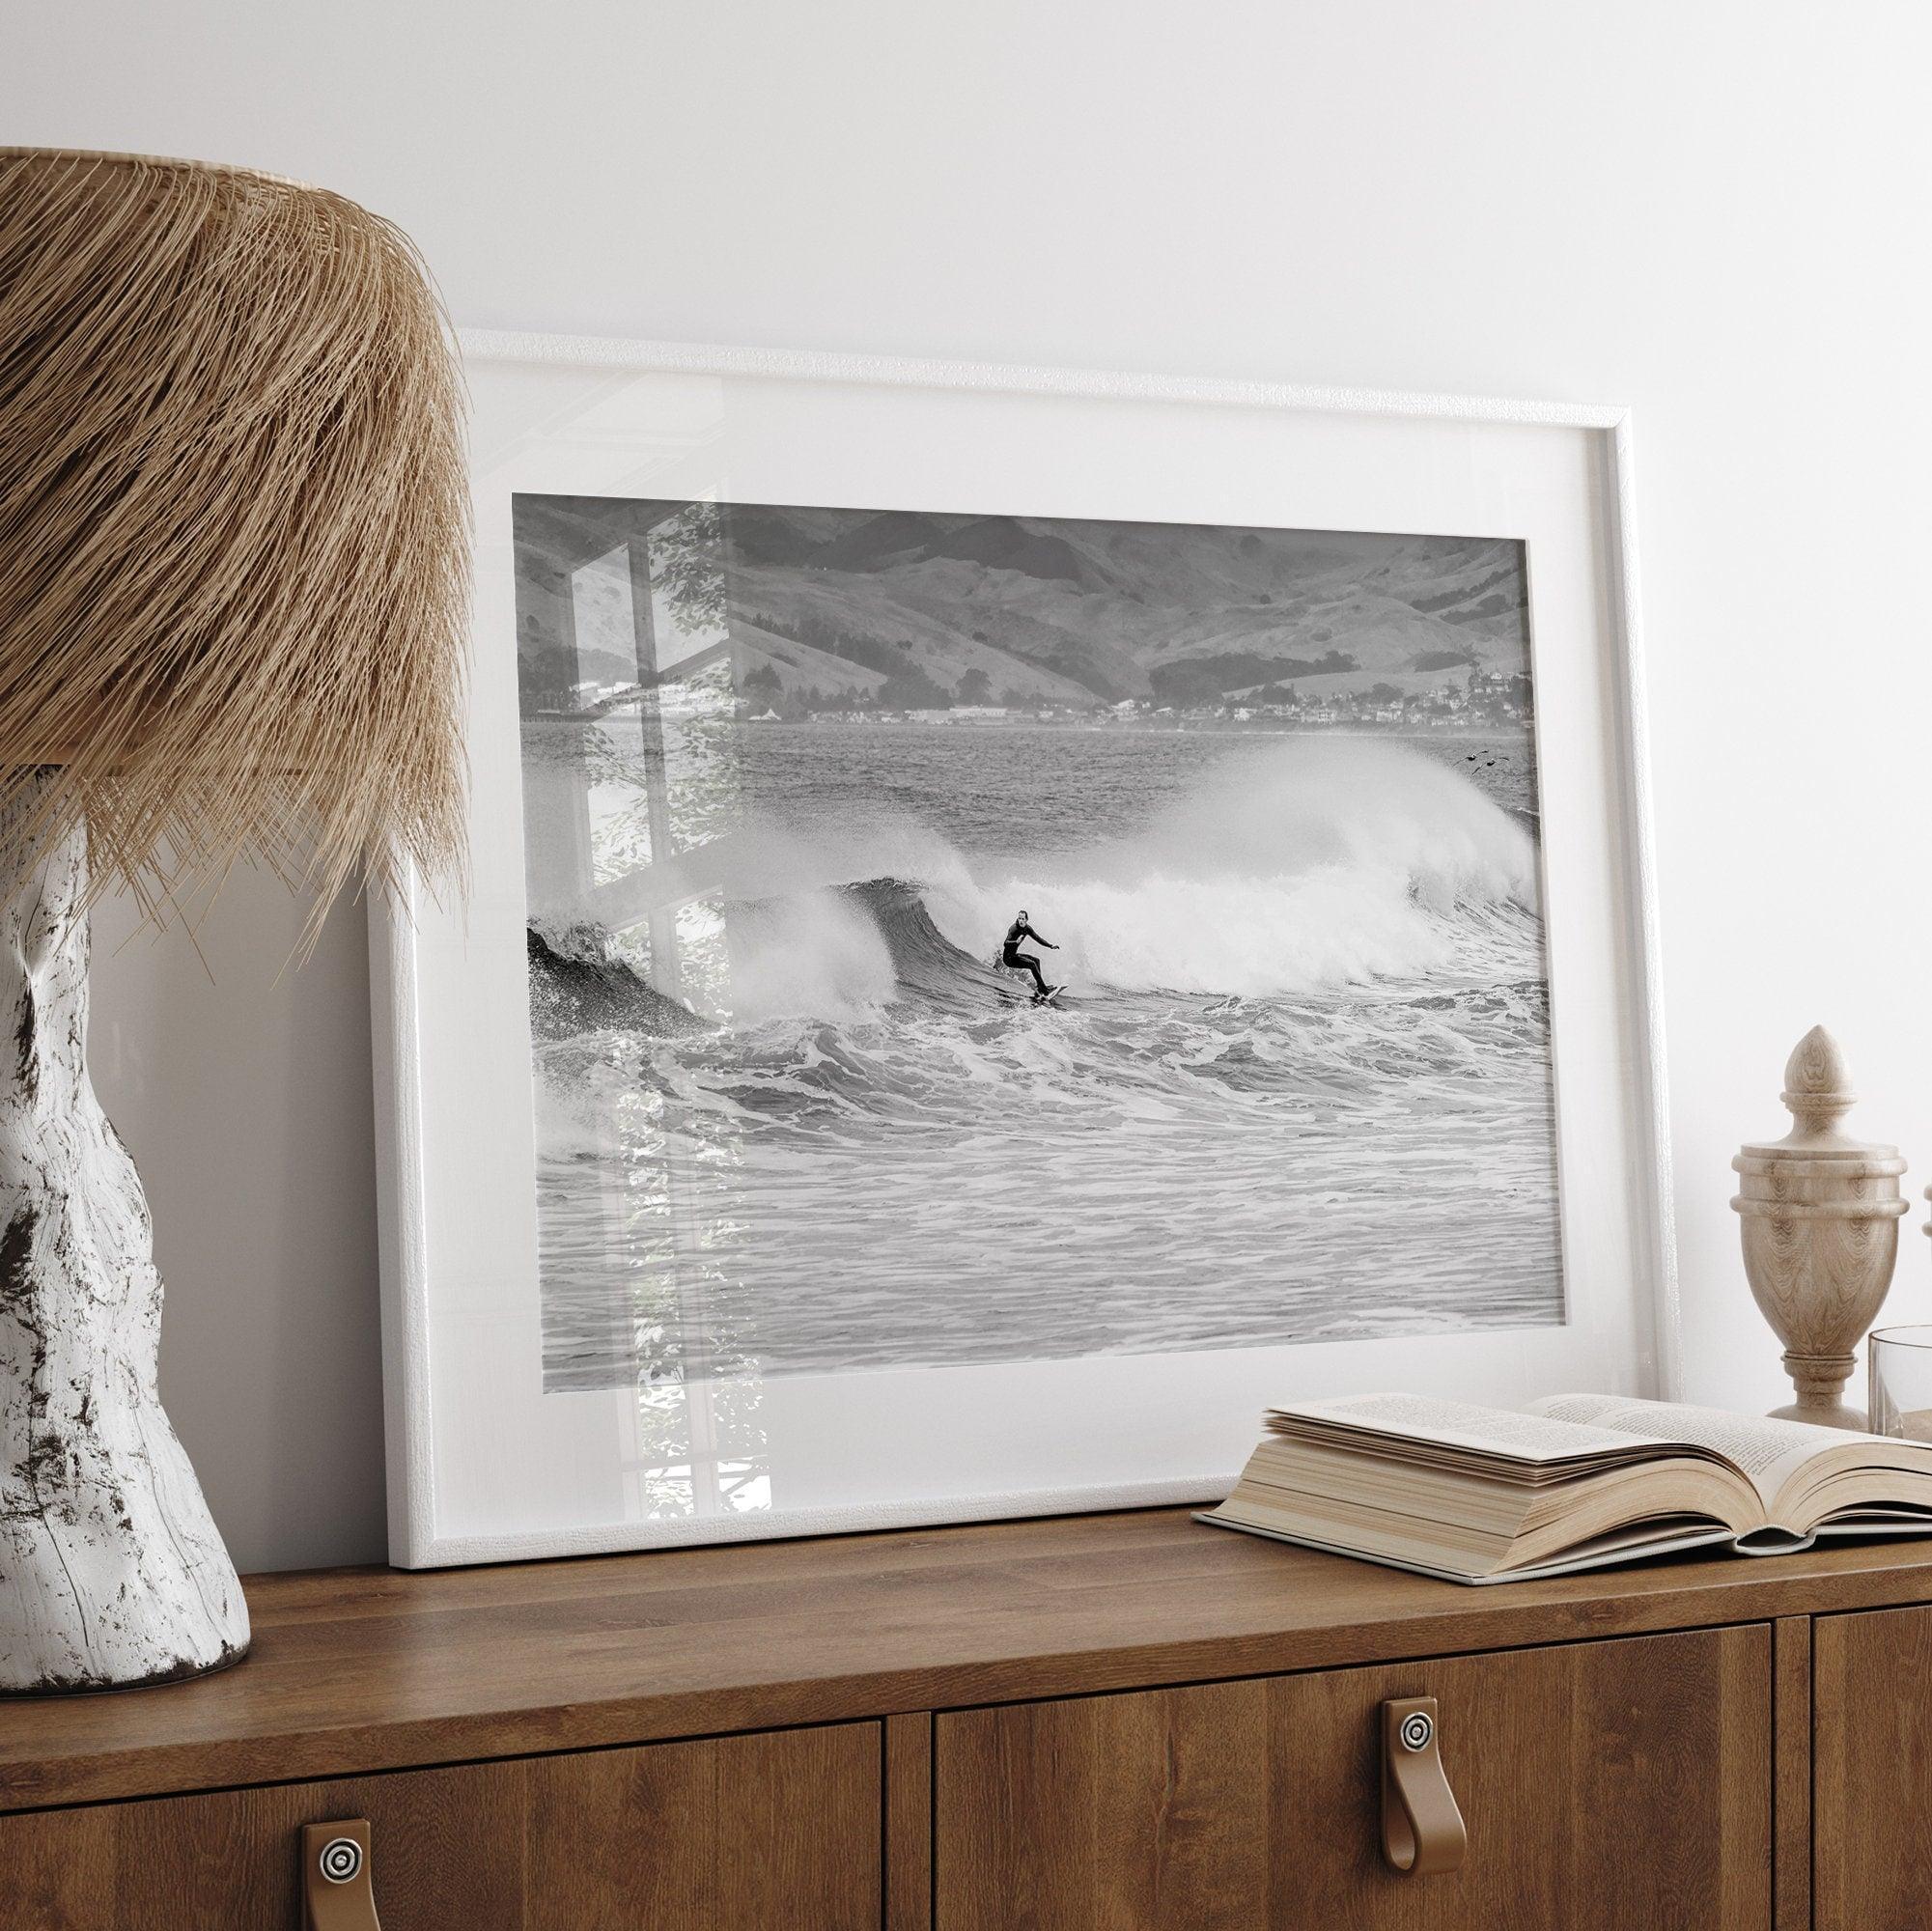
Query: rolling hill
1045	610
1065	611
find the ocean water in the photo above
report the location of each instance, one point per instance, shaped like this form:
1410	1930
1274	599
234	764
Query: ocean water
1298	1086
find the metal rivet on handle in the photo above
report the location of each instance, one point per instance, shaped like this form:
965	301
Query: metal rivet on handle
341	1859
1416	1730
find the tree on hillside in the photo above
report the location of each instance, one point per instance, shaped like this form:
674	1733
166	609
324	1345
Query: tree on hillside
911	689
1187	684
975	688
764	683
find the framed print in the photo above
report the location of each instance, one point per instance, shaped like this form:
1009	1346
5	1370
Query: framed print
1018	918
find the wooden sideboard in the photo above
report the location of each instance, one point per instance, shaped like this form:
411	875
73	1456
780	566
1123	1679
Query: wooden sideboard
1117	1721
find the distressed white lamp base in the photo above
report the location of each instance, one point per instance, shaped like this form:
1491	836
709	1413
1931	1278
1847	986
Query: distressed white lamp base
111	1571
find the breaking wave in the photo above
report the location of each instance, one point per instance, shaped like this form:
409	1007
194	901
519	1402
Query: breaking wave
1307	995
1352	865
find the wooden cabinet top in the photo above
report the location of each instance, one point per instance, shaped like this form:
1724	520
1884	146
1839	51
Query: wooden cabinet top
355	1671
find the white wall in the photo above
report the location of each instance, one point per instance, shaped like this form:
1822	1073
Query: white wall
1714	210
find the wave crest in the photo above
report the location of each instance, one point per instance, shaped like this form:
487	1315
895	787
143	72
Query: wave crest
1289	871
1336	865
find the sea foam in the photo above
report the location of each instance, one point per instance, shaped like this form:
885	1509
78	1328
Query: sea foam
1303	866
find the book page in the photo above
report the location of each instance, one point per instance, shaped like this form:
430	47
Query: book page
1640	1545
1495	1431
1765	1452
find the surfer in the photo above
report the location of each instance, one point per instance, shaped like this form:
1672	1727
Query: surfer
1011	956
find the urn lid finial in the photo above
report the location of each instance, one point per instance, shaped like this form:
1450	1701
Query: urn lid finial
1818	1091
1817	1088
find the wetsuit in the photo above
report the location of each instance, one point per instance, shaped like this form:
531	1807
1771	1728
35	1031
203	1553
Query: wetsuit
1011	955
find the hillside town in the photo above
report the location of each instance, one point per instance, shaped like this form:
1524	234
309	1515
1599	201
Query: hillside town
1480	699
801	615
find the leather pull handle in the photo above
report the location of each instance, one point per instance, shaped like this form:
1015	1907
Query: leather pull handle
337	1894
1422	1828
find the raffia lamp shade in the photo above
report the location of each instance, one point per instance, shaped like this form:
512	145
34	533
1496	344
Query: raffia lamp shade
233	603
233	521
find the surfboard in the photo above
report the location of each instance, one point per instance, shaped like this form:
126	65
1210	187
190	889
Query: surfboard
1048	998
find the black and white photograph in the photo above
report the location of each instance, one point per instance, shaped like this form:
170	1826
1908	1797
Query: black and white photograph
958	938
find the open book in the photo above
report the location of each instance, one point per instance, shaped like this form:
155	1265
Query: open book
1487	1494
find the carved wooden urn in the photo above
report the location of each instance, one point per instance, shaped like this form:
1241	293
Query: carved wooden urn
1821	1215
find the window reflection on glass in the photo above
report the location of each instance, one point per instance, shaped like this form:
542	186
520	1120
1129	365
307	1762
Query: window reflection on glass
806	781
630	791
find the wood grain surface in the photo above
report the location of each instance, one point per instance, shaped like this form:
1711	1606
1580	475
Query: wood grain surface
362	1670
1872	1771
1791	1790
757	1834
909	1823
1620	1785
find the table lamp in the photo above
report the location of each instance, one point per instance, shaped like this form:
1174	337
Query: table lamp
233	574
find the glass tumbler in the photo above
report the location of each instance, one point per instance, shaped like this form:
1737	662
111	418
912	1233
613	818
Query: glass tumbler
1901	1382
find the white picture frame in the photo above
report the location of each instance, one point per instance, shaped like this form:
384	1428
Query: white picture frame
483	1465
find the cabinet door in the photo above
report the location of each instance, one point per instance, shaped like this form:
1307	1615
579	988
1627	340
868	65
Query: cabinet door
1620	1785
1871	1789
742	1833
